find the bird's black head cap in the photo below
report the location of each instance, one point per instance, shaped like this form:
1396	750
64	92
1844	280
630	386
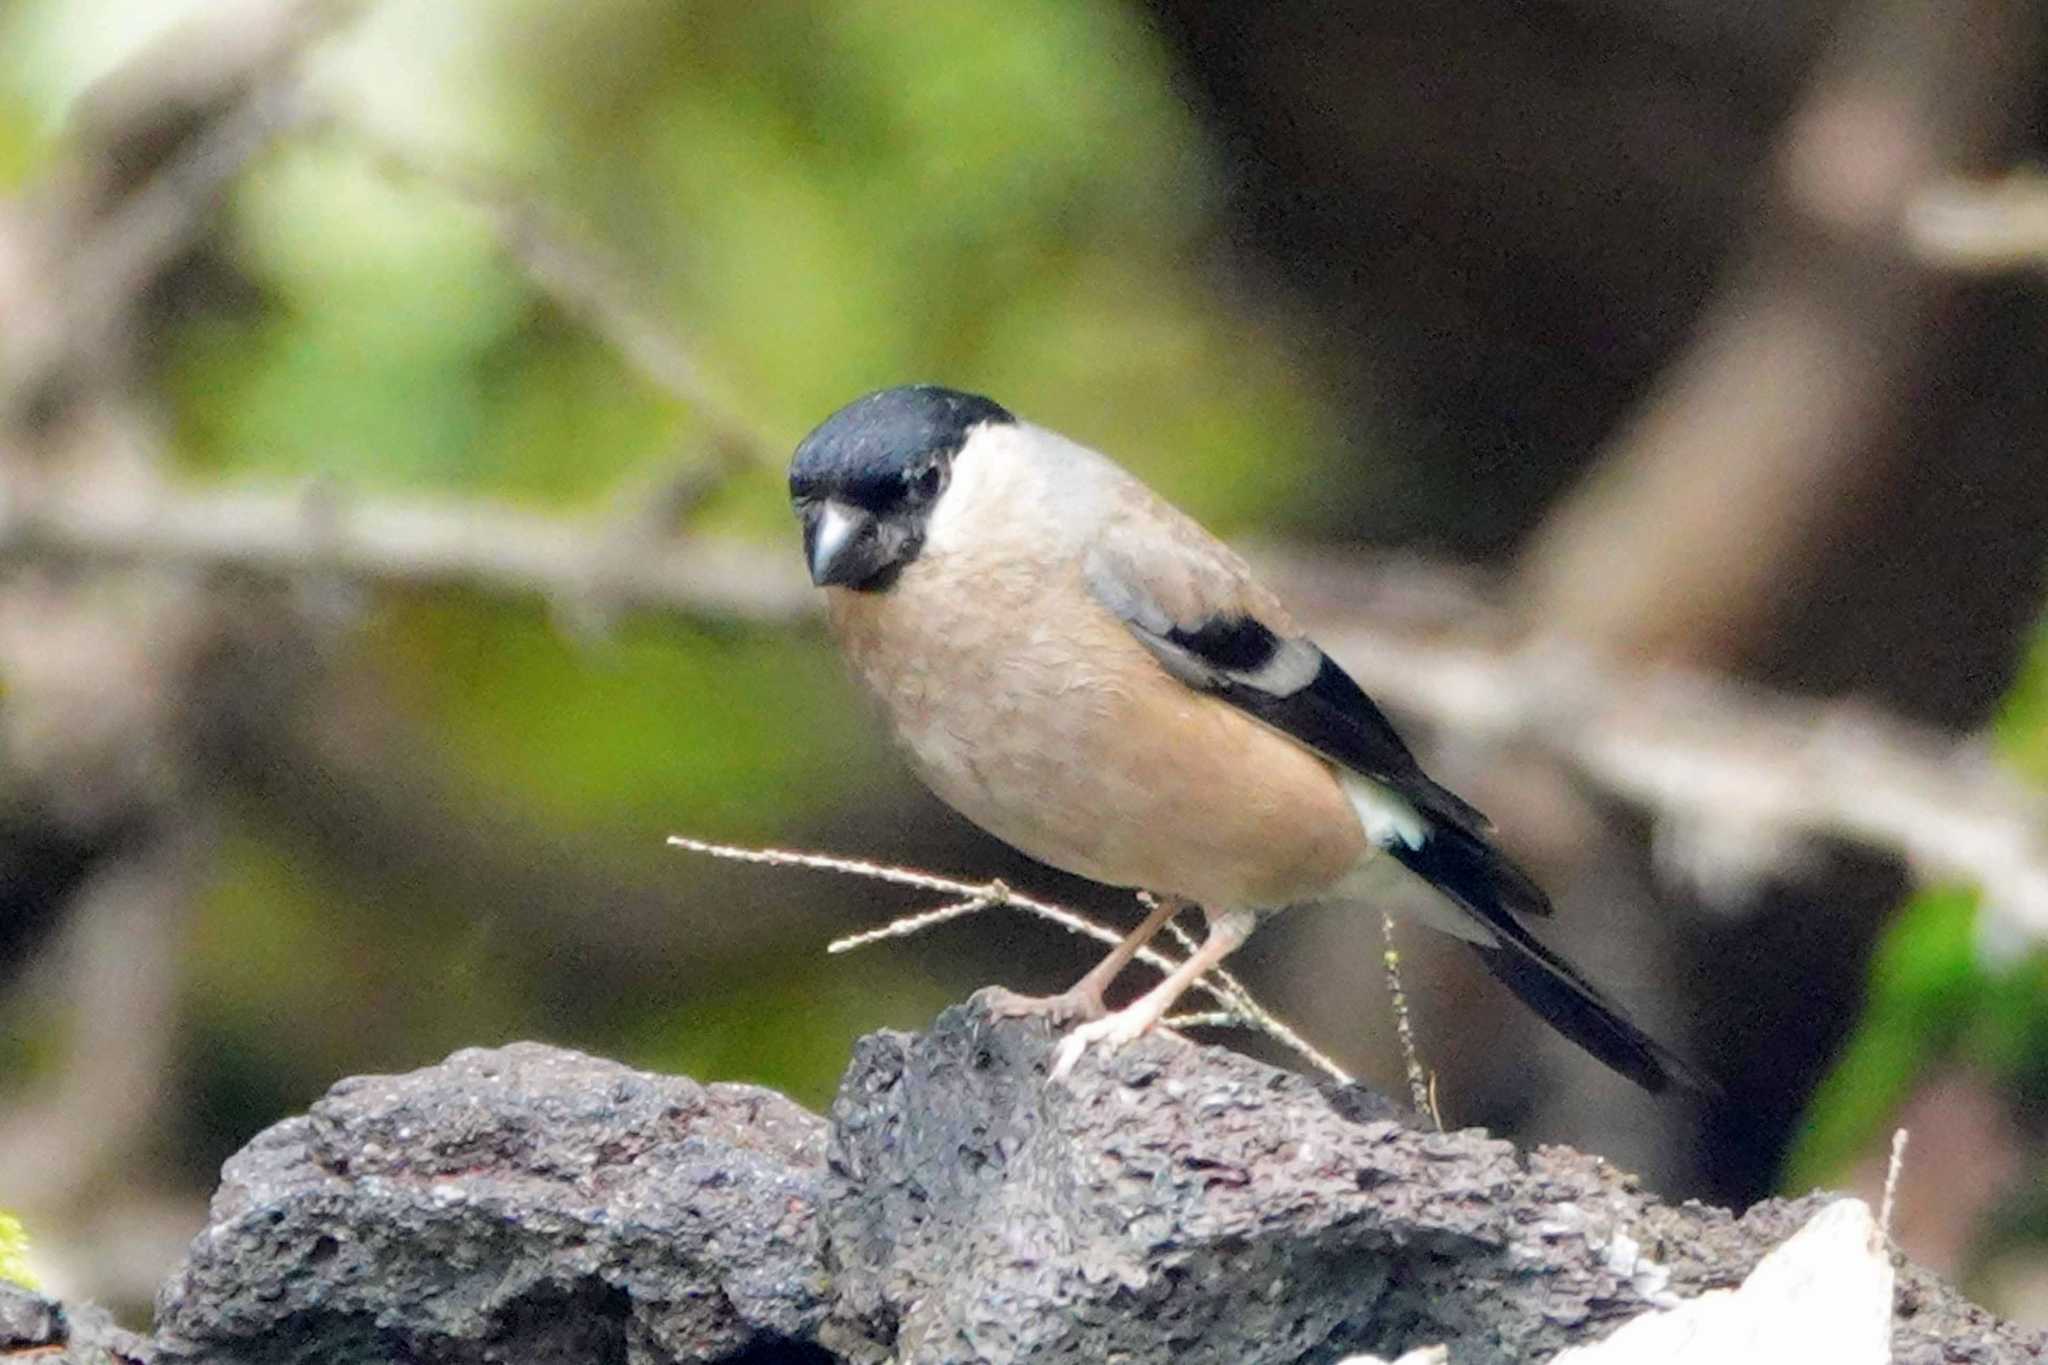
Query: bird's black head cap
865	481
863	452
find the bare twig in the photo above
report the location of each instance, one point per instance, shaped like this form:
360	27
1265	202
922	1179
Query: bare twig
1257	1015
1228	988
908	925
973	897
1237	1003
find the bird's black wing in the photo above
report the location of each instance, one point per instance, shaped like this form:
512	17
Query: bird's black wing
1285	682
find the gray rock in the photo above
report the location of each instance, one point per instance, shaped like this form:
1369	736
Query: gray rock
1169	1203
27	1319
36	1328
1179	1204
522	1204
1187	1204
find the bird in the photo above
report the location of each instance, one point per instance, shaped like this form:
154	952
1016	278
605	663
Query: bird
1079	668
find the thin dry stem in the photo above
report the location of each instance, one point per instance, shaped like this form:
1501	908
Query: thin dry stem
909	924
1205	1019
1892	1171
1254	1015
988	894
1421	1086
1239	1008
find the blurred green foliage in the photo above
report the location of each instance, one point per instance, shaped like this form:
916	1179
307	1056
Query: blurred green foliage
2021	726
656	723
1938	991
822	199
14	1252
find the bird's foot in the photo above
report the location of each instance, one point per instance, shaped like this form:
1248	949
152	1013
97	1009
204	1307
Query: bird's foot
1109	1032
1075	1004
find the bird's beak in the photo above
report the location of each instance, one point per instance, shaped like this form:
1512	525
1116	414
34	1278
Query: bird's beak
839	542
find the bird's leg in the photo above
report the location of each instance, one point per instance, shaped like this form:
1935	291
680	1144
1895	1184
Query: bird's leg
1089	989
1227	932
1083	999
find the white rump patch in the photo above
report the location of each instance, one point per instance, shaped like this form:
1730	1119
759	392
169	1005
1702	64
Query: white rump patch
1388	818
1381	882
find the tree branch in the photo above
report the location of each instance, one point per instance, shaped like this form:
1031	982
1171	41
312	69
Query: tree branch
1982	227
1686	747
1740	760
482	546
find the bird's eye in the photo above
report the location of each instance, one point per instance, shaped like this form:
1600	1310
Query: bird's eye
924	481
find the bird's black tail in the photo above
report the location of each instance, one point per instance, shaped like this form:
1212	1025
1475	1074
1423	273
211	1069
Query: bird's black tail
1479	877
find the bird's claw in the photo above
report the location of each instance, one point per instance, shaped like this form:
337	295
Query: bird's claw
1111	1031
1067	1006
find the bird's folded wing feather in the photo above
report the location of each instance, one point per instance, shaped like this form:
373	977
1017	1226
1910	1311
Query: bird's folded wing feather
1193	603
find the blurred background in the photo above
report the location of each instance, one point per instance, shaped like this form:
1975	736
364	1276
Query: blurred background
1647	401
